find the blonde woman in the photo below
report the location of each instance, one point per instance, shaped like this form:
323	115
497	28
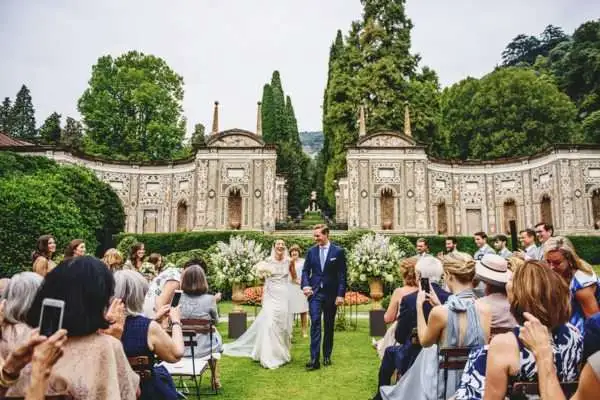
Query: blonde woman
583	283
113	259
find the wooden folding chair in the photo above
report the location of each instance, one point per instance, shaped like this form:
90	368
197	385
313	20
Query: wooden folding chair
141	365
452	358
520	390
195	367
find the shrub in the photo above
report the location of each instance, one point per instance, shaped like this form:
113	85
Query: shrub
125	246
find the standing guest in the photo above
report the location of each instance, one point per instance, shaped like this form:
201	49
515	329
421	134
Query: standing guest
500	246
75	248
197	303
18	296
536	290
543	231
492	270
483	247
583	283
298	302
136	257
143	337
42	256
422	247
113	259
461	322
94	365
400	357
531	252
452	252
161	291
451	244
407	270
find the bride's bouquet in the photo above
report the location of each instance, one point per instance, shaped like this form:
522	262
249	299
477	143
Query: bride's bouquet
263	270
234	262
373	256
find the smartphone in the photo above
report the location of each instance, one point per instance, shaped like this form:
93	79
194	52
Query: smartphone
176	298
425	284
51	317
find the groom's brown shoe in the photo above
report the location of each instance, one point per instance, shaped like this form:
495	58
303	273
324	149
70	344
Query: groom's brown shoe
313	365
327	361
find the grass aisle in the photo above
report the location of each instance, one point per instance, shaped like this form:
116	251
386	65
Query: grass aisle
352	376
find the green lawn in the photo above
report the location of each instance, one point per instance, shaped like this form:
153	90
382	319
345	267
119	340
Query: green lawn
225	308
352	376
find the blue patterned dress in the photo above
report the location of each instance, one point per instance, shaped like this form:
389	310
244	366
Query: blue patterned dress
581	280
567	346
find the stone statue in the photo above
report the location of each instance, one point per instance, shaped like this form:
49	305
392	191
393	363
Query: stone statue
312	204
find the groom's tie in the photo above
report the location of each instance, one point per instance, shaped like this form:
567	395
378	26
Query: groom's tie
322	257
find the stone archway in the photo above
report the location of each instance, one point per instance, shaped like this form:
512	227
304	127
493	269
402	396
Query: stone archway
182	216
596	208
234	208
387	209
546	210
442	218
510	213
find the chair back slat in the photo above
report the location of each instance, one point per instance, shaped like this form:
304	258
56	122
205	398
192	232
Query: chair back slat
198	325
452	358
141	365
47	397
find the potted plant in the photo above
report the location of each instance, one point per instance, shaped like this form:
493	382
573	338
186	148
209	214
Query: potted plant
375	260
234	264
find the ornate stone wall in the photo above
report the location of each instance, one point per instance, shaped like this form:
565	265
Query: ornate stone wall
468	196
196	194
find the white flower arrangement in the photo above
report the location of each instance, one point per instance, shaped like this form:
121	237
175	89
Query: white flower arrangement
263	270
373	256
234	262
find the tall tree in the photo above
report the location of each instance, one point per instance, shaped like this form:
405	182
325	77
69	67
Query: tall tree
268	117
198	136
72	134
23	116
133	108
525	49
6	116
50	131
278	108
509	112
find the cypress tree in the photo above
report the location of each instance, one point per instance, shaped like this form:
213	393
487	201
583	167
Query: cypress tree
50	131
6	116
268	123
23	116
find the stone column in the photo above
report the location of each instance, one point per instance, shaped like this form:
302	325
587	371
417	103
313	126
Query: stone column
201	193
257	204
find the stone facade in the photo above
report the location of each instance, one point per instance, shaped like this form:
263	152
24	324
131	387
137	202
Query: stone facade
229	184
392	184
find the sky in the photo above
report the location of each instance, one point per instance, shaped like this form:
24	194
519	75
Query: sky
226	50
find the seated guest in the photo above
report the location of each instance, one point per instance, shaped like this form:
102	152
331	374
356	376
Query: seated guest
113	259
94	365
461	322
537	290
583	283
500	246
407	270
492	270
42	256
161	291
537	339
145	337
18	296
400	357
75	248
196	303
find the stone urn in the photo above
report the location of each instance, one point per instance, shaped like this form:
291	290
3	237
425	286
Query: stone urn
376	292
237	297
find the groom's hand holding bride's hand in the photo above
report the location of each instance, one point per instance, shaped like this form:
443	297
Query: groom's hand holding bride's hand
339	301
307	291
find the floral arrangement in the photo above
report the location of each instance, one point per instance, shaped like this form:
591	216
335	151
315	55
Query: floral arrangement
353	298
253	295
373	256
234	262
263	270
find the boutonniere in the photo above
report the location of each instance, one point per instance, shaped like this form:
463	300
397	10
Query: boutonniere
333	259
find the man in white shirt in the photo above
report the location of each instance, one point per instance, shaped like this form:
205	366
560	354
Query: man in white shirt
483	247
422	247
531	252
500	246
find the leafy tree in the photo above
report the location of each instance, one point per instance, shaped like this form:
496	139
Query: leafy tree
132	108
23	116
6	116
72	135
198	136
50	132
524	49
591	127
509	112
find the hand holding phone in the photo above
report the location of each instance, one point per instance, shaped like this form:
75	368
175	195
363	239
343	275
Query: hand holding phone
176	298
425	285
51	316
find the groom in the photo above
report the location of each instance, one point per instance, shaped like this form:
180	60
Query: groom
324	283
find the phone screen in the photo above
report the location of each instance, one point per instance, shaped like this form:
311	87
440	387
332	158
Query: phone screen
51	320
176	297
425	284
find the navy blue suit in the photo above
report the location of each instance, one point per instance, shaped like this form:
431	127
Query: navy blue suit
402	356
327	283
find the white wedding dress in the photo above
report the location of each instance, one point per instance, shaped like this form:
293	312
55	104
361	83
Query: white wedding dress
268	340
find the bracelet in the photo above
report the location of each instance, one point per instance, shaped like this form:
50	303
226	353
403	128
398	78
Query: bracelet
175	323
6	380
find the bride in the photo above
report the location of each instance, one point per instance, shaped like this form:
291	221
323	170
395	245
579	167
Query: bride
268	339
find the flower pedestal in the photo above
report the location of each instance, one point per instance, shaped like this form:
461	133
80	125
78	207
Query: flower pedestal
376	315
238	318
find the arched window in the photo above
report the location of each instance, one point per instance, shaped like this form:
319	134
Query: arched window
546	210
234	209
387	209
442	219
510	213
182	215
596	208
